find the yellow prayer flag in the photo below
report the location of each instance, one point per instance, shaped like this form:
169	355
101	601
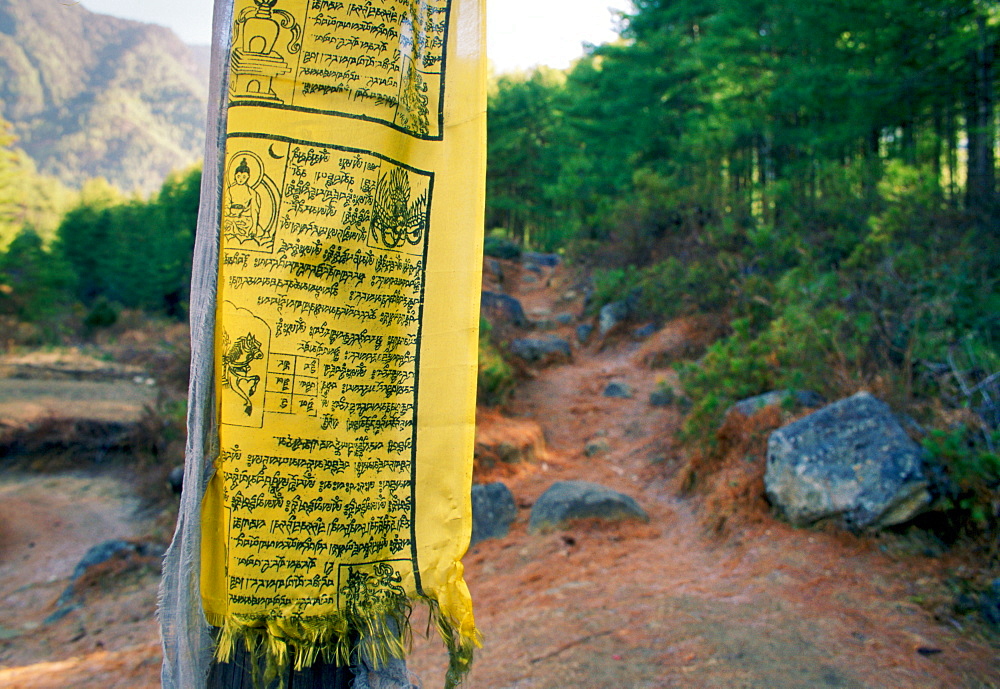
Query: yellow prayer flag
346	315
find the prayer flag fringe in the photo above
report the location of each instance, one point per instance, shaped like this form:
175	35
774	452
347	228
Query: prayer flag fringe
377	634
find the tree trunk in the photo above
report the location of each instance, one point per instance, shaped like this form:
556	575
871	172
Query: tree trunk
981	187
872	168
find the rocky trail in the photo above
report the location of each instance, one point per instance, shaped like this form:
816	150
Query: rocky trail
670	602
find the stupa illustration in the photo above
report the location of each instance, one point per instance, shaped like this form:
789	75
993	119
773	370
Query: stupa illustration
254	62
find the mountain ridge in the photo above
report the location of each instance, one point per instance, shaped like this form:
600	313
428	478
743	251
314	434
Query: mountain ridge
91	95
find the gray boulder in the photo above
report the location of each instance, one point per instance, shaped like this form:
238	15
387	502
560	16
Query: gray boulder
800	398
662	397
132	552
502	308
546	260
493	511
616	388
583	332
596	447
611	316
850	462
568	500
541	351
175	479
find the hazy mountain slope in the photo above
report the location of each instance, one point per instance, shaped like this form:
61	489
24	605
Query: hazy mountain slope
92	95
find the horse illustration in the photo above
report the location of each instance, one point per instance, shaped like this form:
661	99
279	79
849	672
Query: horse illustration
236	360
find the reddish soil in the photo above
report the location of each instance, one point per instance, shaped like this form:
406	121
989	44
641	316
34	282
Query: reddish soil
676	602
679	602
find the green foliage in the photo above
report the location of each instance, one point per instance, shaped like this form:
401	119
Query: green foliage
522	160
103	314
972	467
27	199
498	246
134	253
802	334
763	114
35	283
664	290
496	378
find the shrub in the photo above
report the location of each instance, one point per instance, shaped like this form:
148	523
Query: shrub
495	378
809	334
500	247
666	289
974	470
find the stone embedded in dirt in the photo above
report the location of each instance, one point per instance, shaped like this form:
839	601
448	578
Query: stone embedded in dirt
492	267
596	447
618	389
851	463
175	479
799	398
662	397
565	501
510	453
546	260
493	511
565	318
542	351
583	332
612	315
645	331
98	555
502	308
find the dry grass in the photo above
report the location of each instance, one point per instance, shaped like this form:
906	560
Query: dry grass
730	476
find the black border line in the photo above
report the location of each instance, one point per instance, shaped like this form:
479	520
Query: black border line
416	391
444	68
420	319
338	147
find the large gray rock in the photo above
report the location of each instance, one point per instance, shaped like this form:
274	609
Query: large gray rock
568	500
541	350
502	308
546	260
493	511
617	388
850	462
129	552
612	315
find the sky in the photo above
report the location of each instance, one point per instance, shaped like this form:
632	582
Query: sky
520	33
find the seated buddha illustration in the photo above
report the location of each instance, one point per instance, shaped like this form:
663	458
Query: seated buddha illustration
243	205
250	203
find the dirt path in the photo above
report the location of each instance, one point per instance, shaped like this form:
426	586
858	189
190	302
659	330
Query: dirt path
47	524
668	604
642	606
105	636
